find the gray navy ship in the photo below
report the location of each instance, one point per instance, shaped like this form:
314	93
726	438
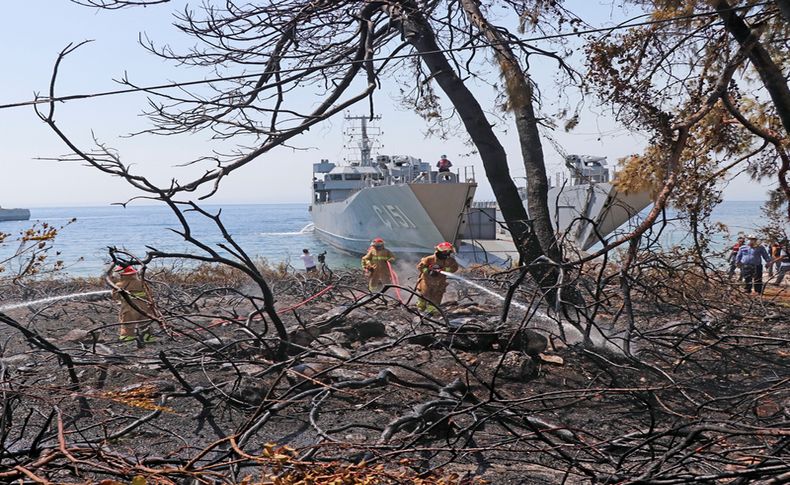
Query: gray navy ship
398	198
413	207
14	214
585	208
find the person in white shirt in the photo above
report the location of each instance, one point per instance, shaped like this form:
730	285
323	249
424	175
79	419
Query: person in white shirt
309	262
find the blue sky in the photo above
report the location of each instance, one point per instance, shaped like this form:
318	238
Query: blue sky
43	27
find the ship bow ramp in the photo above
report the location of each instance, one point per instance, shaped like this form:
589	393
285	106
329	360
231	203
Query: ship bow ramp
446	206
572	208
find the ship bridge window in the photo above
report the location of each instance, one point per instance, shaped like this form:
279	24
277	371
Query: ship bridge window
335	176
353	176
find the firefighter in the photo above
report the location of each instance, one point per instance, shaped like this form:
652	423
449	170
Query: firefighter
432	283
133	320
375	265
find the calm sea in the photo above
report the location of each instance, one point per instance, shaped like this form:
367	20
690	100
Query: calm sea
276	232
740	217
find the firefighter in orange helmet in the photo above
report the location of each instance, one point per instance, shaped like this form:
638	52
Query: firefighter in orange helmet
432	283
375	265
136	305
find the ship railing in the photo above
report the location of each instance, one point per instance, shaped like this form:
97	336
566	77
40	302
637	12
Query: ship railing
469	174
606	175
583	179
484	204
464	175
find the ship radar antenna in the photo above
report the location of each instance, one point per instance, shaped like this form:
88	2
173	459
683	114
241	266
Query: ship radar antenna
365	133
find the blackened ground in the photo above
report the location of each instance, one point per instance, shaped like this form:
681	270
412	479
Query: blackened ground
370	380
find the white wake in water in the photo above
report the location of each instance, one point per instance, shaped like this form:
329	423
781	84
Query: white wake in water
51	299
305	230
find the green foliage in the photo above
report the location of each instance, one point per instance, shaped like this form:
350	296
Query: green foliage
775	228
657	75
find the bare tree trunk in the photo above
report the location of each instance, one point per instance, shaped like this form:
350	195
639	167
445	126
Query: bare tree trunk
773	79
419	34
625	288
784	7
520	95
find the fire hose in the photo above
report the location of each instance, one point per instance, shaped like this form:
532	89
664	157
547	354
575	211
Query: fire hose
395	281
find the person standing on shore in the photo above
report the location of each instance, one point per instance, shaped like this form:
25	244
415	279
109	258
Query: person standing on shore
136	305
782	261
750	260
375	265
432	283
775	252
734	255
309	262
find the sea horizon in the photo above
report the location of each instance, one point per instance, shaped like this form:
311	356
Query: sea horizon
143	204
213	203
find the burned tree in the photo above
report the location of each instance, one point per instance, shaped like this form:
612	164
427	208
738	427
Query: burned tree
329	44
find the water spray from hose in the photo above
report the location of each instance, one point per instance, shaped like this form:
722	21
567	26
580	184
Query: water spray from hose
596	335
52	298
482	288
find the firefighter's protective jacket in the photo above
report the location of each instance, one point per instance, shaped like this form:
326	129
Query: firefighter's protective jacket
137	294
375	262
432	283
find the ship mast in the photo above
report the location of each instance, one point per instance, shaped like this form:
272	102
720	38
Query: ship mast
364	139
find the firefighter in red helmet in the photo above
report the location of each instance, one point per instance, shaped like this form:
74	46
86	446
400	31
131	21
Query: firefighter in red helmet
136	305
375	265
432	283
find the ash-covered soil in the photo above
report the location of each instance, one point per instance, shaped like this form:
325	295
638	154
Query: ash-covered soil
458	398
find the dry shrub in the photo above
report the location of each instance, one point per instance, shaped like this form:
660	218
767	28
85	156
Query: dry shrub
216	274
